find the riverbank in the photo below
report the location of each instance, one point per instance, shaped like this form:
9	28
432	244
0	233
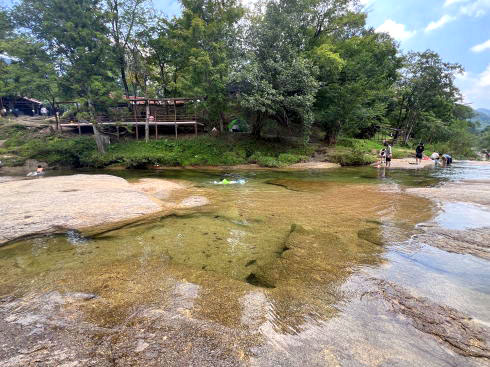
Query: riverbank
406	163
22	143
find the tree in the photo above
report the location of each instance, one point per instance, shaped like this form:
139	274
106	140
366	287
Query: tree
74	34
276	80
126	19
357	75
31	73
426	85
196	52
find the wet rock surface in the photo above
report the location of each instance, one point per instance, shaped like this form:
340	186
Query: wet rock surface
464	335
49	330
469	191
171	291
474	242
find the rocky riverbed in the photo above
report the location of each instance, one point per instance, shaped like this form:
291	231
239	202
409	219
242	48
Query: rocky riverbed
275	272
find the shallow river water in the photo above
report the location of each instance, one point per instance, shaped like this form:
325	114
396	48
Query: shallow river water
284	262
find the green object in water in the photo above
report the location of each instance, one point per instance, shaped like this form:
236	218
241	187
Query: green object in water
225	182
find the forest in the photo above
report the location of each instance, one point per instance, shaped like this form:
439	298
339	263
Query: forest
310	68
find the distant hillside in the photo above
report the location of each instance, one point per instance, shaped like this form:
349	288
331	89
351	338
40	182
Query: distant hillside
482	116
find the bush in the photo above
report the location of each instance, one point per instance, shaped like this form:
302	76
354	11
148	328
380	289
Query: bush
351	157
200	151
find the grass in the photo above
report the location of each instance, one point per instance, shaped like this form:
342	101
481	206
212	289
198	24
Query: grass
24	143
201	151
358	152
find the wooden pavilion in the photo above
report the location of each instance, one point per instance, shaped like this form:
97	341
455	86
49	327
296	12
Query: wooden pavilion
149	112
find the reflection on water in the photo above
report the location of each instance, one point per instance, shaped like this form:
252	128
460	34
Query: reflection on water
460	216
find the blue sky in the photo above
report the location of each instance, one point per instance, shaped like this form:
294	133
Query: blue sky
459	30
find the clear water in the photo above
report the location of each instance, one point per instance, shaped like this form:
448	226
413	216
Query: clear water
296	238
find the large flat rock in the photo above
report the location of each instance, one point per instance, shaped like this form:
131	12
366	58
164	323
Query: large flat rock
47	205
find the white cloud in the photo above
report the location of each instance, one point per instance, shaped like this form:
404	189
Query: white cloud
477	8
475	88
451	2
395	30
440	23
485	78
481	47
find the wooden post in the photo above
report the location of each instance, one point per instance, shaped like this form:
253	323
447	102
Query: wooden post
175	115
137	135
147	122
117	131
79	129
156	130
195	120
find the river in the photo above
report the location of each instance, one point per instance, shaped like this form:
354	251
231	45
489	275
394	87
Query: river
313	268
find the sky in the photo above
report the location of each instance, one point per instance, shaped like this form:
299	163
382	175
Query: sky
459	30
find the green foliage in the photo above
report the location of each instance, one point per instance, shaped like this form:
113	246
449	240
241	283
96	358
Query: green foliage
68	152
202	151
293	63
351	157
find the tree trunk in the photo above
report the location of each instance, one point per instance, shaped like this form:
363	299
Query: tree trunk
53	106
222	122
330	138
99	139
257	126
147	122
124	79
331	133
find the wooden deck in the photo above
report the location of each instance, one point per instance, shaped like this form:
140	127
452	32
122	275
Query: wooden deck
118	124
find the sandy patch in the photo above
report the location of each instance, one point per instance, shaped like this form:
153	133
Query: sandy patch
408	163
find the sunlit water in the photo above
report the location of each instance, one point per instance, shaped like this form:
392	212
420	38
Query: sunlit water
292	239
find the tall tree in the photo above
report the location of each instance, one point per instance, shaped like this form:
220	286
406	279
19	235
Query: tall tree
75	35
198	51
356	91
276	80
426	86
126	18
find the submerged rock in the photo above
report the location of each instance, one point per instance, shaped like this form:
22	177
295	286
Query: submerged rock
474	242
450	326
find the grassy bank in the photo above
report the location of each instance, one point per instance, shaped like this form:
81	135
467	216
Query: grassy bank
24	143
202	151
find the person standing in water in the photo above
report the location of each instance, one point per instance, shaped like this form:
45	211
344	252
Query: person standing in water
389	155
419	153
382	155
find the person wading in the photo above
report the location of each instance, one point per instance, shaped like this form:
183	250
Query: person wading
419	153
389	155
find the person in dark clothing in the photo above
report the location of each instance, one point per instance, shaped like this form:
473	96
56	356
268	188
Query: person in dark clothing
419	153
447	160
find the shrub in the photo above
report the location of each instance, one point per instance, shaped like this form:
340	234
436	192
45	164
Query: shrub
351	157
